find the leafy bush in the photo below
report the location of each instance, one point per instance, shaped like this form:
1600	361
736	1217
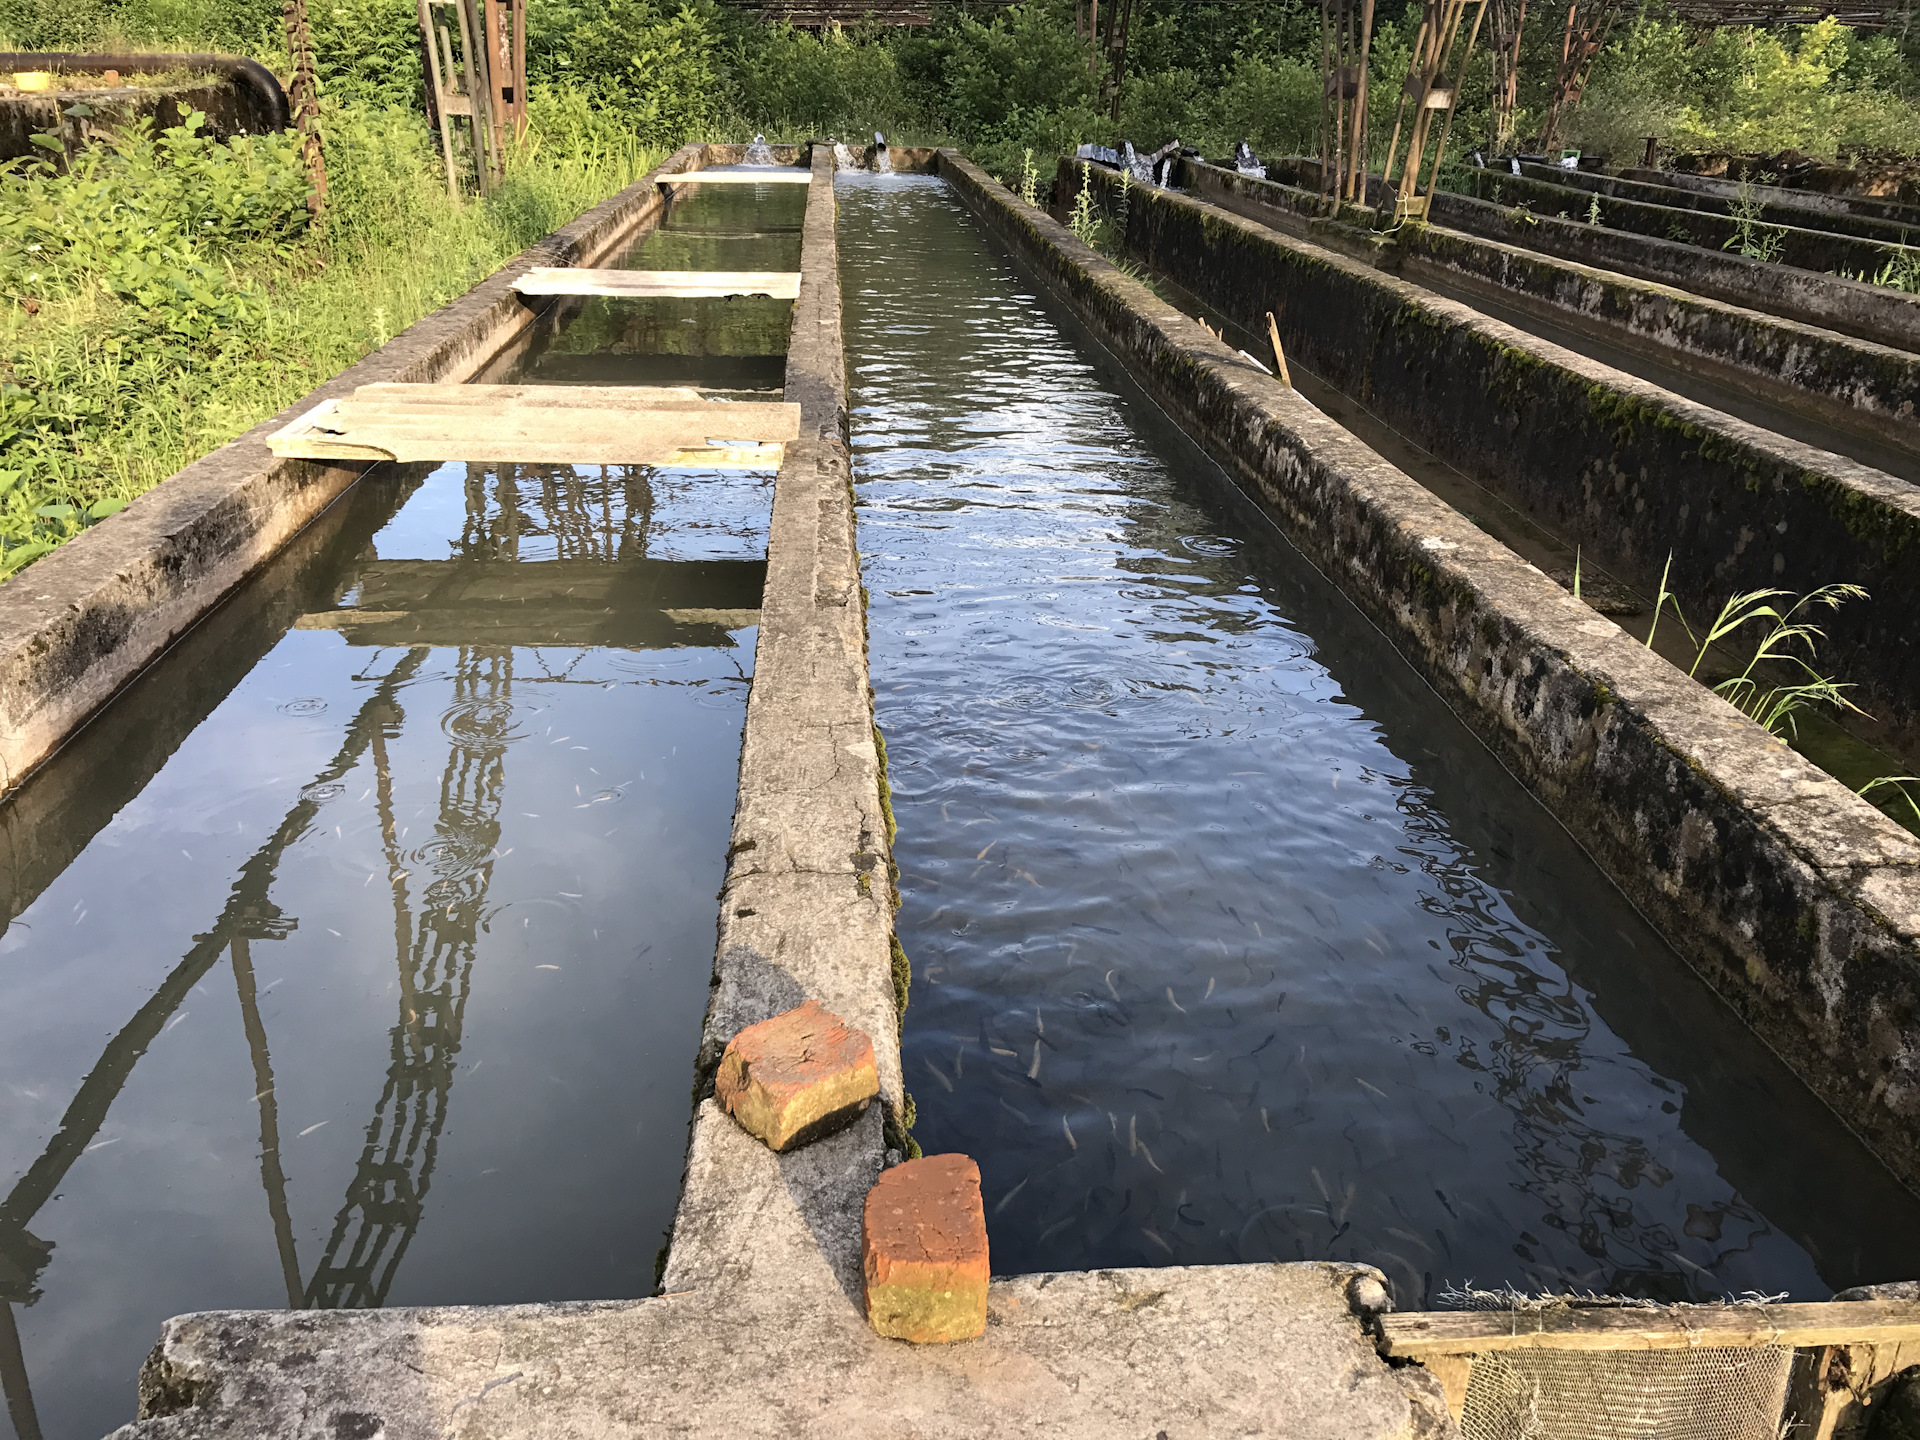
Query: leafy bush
660	68
799	84
368	51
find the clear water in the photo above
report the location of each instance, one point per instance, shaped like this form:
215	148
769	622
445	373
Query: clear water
735	346
1229	941
358	953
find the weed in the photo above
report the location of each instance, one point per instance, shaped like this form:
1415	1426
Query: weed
1750	237
1789	642
1029	178
1593	211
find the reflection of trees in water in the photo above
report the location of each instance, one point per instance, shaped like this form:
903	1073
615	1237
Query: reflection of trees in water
590	512
1603	1190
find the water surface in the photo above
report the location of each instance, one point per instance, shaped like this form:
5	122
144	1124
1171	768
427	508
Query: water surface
358	953
1229	941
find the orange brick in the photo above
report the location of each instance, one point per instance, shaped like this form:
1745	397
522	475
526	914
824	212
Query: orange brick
924	1250
797	1077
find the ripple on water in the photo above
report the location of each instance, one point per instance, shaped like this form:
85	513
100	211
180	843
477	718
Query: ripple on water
481	721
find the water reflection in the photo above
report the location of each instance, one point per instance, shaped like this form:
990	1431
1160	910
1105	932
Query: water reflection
1229	942
497	640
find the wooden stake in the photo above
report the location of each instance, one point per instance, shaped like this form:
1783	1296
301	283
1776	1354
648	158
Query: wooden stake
1279	355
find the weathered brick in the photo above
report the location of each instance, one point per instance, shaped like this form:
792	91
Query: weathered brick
798	1076
924	1250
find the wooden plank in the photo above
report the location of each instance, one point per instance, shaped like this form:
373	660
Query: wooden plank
772	175
539	397
647	284
1418	1334
539	425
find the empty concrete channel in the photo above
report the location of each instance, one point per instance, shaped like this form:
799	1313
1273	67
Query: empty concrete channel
1297	902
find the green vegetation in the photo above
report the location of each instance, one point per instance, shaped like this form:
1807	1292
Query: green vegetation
169	292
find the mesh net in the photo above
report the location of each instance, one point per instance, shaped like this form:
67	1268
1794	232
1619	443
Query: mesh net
1704	1394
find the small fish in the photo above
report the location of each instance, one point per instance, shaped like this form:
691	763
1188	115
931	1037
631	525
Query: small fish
311	1128
1067	1130
102	1144
1209	994
1173	1002
1263	1120
940	1075
1033	1070
1155	1238
546	967
335	933
1375	1088
568	894
1007	1198
178	1018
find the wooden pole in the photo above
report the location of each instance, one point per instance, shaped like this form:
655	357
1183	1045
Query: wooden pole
1279	355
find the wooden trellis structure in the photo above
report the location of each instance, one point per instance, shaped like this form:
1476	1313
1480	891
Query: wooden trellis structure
1588	22
1509	18
477	71
1346	38
1428	95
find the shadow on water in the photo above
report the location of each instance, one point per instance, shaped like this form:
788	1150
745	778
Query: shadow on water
1230	941
497	855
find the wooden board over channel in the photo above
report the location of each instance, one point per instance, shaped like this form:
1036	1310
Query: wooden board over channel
658	284
1421	1335
668	427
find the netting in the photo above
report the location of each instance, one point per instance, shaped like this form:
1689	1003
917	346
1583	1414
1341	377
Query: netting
1704	1394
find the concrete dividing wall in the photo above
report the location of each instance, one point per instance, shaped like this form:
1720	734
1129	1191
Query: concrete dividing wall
1870	389
79	624
1868	312
1770	212
1629	471
807	909
1813	201
1796	899
1805	249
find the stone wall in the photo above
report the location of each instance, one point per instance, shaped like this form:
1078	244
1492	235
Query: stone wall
1634	474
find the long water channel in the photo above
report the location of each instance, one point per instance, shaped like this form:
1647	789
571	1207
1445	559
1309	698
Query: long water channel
357	954
1230	942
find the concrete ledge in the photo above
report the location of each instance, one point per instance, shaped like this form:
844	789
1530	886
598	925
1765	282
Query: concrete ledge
1853	384
1795	898
1242	1350
1818	202
1816	250
807	908
78	624
1632	472
1868	312
1771	212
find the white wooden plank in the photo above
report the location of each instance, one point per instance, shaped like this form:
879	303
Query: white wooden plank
774	175
397	422
645	284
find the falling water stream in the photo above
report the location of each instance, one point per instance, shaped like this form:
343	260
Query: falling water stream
1230	942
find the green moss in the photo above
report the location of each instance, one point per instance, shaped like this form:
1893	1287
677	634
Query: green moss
899	1128
886	790
902	978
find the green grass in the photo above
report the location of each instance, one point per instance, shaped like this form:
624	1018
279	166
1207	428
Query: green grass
145	325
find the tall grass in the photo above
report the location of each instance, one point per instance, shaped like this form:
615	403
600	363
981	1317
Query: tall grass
111	383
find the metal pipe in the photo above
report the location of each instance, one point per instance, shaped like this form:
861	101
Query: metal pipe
250	73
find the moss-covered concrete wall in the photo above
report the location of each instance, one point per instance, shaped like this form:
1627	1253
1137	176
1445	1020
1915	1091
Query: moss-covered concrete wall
1632	473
